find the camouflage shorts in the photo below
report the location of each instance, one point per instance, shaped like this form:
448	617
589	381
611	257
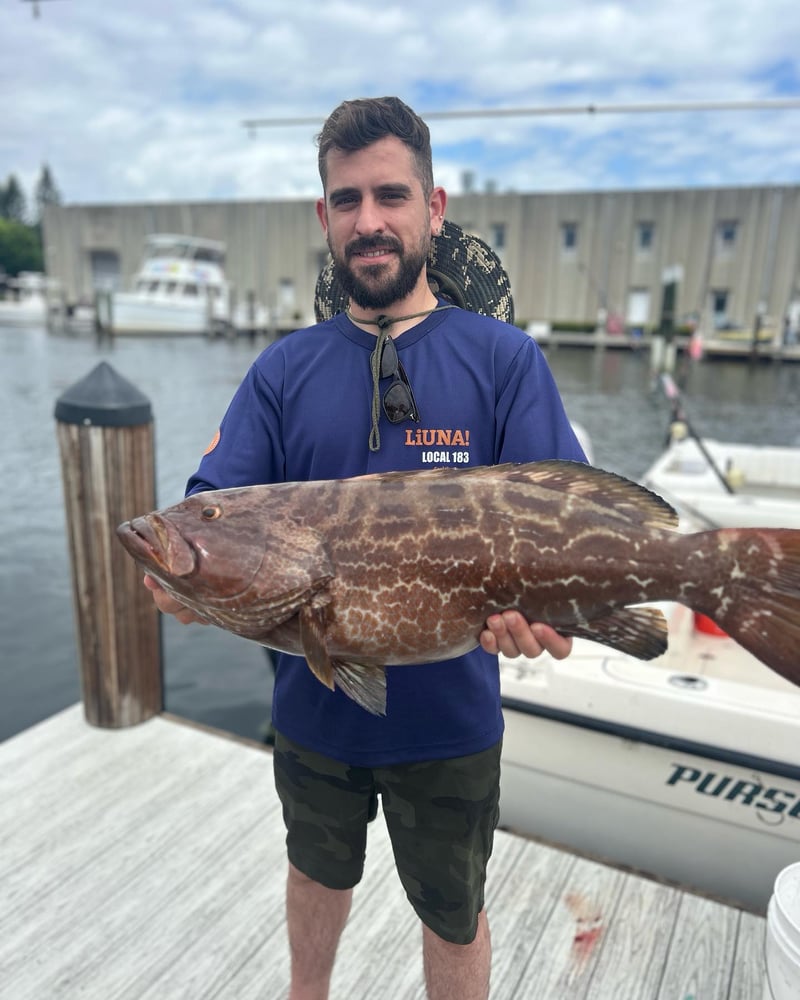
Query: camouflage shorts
441	816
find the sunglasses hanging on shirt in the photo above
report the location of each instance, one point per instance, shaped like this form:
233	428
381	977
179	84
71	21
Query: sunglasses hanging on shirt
398	400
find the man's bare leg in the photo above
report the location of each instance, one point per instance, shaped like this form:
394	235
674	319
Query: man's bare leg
315	916
458	970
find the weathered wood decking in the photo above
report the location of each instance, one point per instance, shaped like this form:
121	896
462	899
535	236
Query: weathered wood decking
148	864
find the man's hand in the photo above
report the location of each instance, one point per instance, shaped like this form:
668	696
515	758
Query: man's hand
168	605
508	633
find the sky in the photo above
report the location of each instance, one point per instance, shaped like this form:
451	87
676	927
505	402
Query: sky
144	100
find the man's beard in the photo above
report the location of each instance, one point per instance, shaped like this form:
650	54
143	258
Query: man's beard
383	289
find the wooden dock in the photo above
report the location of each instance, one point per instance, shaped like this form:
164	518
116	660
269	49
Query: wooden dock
716	348
148	864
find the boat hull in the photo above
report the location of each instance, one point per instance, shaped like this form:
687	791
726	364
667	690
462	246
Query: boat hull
136	314
31	313
765	481
660	767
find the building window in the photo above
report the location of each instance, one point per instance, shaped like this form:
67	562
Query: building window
719	306
498	230
727	231
569	237
645	236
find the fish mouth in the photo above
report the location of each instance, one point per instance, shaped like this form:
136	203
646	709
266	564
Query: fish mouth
154	542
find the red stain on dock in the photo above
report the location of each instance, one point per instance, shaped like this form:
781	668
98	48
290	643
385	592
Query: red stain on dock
589	926
585	939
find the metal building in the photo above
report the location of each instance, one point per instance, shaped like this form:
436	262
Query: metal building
572	257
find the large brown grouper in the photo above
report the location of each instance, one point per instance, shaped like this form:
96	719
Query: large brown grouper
406	567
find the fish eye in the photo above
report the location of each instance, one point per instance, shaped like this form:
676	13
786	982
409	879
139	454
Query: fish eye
211	512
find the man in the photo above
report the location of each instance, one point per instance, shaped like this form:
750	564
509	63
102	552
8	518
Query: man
319	404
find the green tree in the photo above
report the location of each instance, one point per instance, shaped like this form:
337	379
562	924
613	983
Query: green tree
46	193
20	248
13	204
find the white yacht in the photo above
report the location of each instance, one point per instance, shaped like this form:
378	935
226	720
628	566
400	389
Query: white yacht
180	288
25	301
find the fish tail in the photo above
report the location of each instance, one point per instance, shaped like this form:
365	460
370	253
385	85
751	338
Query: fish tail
756	596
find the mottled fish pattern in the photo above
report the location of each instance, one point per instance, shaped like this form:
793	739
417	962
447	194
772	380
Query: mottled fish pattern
406	567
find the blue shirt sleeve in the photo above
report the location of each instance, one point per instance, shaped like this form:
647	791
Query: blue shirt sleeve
248	449
530	419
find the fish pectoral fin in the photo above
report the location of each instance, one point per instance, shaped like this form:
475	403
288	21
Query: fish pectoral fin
365	685
313	620
639	632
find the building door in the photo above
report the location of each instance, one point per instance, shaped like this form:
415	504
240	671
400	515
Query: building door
286	298
791	333
638	312
104	266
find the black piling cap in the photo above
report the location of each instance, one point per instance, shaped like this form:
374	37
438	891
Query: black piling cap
104	399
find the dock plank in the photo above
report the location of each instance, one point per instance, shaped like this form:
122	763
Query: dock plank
149	864
700	950
747	972
635	942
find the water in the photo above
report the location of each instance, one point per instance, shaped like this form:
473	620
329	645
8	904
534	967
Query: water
210	676
612	394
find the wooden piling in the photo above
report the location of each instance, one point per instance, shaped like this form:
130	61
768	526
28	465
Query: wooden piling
103	312
105	435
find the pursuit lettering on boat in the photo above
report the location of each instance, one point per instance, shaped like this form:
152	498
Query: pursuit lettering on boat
731	789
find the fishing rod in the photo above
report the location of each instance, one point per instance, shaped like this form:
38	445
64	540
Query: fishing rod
672	393
765	104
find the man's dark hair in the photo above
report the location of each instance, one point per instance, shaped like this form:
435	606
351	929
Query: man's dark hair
359	123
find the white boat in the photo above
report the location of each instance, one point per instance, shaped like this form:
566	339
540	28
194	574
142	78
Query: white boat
686	768
723	484
180	288
25	302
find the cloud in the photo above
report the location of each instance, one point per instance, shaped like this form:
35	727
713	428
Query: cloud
145	101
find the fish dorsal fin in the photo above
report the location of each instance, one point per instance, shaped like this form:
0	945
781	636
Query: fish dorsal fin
476	472
617	495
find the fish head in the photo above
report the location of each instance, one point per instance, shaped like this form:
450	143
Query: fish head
222	554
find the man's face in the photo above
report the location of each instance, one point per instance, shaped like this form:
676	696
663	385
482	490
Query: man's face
377	222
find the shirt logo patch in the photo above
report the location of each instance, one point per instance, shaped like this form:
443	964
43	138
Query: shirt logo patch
442	445
212	444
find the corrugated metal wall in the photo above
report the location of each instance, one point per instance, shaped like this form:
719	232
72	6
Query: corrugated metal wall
276	248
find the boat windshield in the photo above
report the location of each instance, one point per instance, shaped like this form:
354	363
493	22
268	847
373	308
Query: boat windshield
204	253
183	250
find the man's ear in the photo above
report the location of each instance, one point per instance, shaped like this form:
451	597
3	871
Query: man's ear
437	205
322	215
